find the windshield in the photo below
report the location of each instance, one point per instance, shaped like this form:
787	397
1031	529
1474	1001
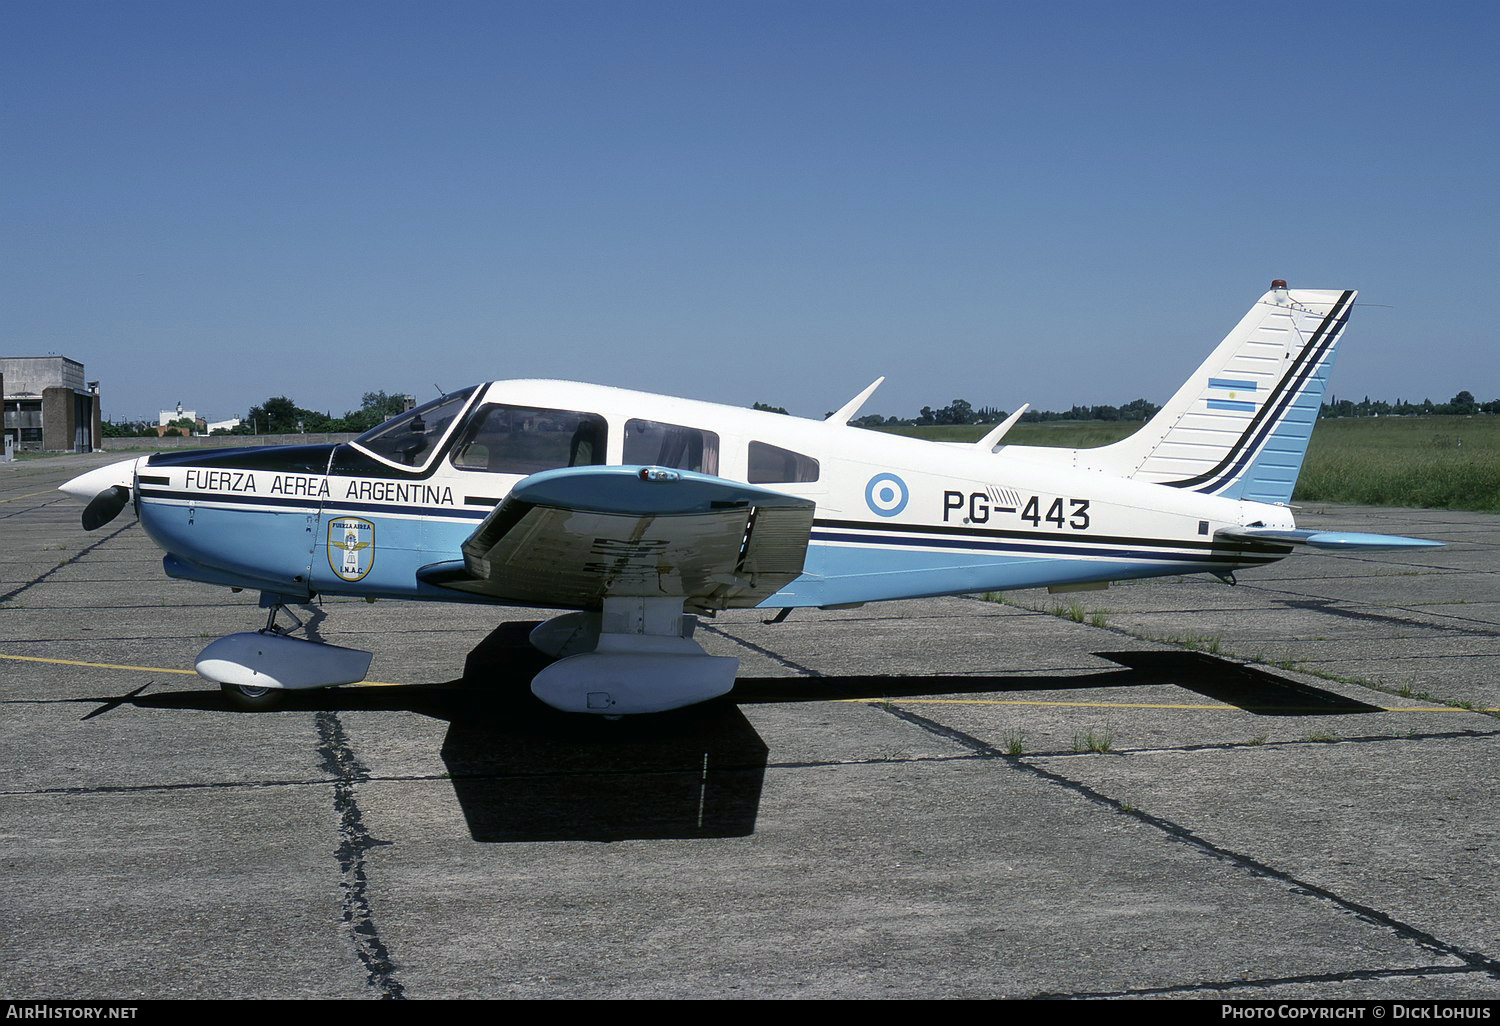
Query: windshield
410	439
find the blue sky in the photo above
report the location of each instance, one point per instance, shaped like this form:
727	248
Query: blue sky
1045	203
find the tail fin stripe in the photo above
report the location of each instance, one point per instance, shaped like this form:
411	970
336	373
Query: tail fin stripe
1285	392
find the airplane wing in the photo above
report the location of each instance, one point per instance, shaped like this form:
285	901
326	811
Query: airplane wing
1346	541
567	538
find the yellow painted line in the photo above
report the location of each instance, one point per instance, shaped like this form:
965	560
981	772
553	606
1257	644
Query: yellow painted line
28	495
99	666
1122	705
1435	708
1029	701
152	669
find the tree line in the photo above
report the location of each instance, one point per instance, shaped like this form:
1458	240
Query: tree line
1464	404
961	411
279	415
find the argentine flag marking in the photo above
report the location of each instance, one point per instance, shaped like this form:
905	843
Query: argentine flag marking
1231	394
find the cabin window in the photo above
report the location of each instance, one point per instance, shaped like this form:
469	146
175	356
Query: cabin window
654	444
522	440
771	464
411	438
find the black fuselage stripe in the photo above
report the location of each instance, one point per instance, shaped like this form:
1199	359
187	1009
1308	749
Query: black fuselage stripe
1266	419
332	507
1038	536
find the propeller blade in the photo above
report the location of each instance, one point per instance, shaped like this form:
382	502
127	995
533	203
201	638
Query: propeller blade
105	507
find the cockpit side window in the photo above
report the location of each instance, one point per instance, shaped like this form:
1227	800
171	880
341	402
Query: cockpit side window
771	464
411	438
651	443
524	440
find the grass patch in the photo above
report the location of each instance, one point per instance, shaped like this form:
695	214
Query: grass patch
1064	434
1094	740
1014	742
1210	643
1074	611
1445	462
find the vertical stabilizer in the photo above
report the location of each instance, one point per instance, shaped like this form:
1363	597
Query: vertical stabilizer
1239	427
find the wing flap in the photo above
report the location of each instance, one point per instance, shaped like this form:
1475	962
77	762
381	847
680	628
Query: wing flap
570	537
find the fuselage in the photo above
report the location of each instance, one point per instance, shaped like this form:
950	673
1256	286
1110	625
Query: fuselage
896	517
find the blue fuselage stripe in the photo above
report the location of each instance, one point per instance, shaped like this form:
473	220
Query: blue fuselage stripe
1029	548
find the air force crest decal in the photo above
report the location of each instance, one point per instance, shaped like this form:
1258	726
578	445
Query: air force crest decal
351	547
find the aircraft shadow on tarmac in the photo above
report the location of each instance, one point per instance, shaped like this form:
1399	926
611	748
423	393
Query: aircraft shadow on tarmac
524	772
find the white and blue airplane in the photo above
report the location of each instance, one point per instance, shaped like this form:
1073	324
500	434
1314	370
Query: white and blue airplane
640	512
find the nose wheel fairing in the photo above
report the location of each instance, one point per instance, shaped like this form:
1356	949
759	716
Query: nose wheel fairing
266	659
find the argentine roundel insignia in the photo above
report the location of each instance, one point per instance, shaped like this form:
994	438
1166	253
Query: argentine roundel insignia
351	547
886	495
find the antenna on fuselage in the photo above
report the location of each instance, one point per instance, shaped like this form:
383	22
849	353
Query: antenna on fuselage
998	432
844	414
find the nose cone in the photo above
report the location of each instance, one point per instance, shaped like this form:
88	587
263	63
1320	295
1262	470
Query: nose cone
85	487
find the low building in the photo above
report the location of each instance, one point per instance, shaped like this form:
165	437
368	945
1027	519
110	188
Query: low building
168	417
48	405
179	422
200	425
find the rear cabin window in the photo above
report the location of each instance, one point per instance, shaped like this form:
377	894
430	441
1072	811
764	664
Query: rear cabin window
650	443
520	440
771	464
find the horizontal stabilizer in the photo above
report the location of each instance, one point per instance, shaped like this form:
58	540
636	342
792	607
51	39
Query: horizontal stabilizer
1336	540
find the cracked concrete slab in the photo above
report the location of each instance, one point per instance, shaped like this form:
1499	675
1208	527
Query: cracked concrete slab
934	798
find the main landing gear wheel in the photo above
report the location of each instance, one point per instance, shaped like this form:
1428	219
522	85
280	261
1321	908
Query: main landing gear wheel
249	699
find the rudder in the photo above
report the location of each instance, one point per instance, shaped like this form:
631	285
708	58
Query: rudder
1239	427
